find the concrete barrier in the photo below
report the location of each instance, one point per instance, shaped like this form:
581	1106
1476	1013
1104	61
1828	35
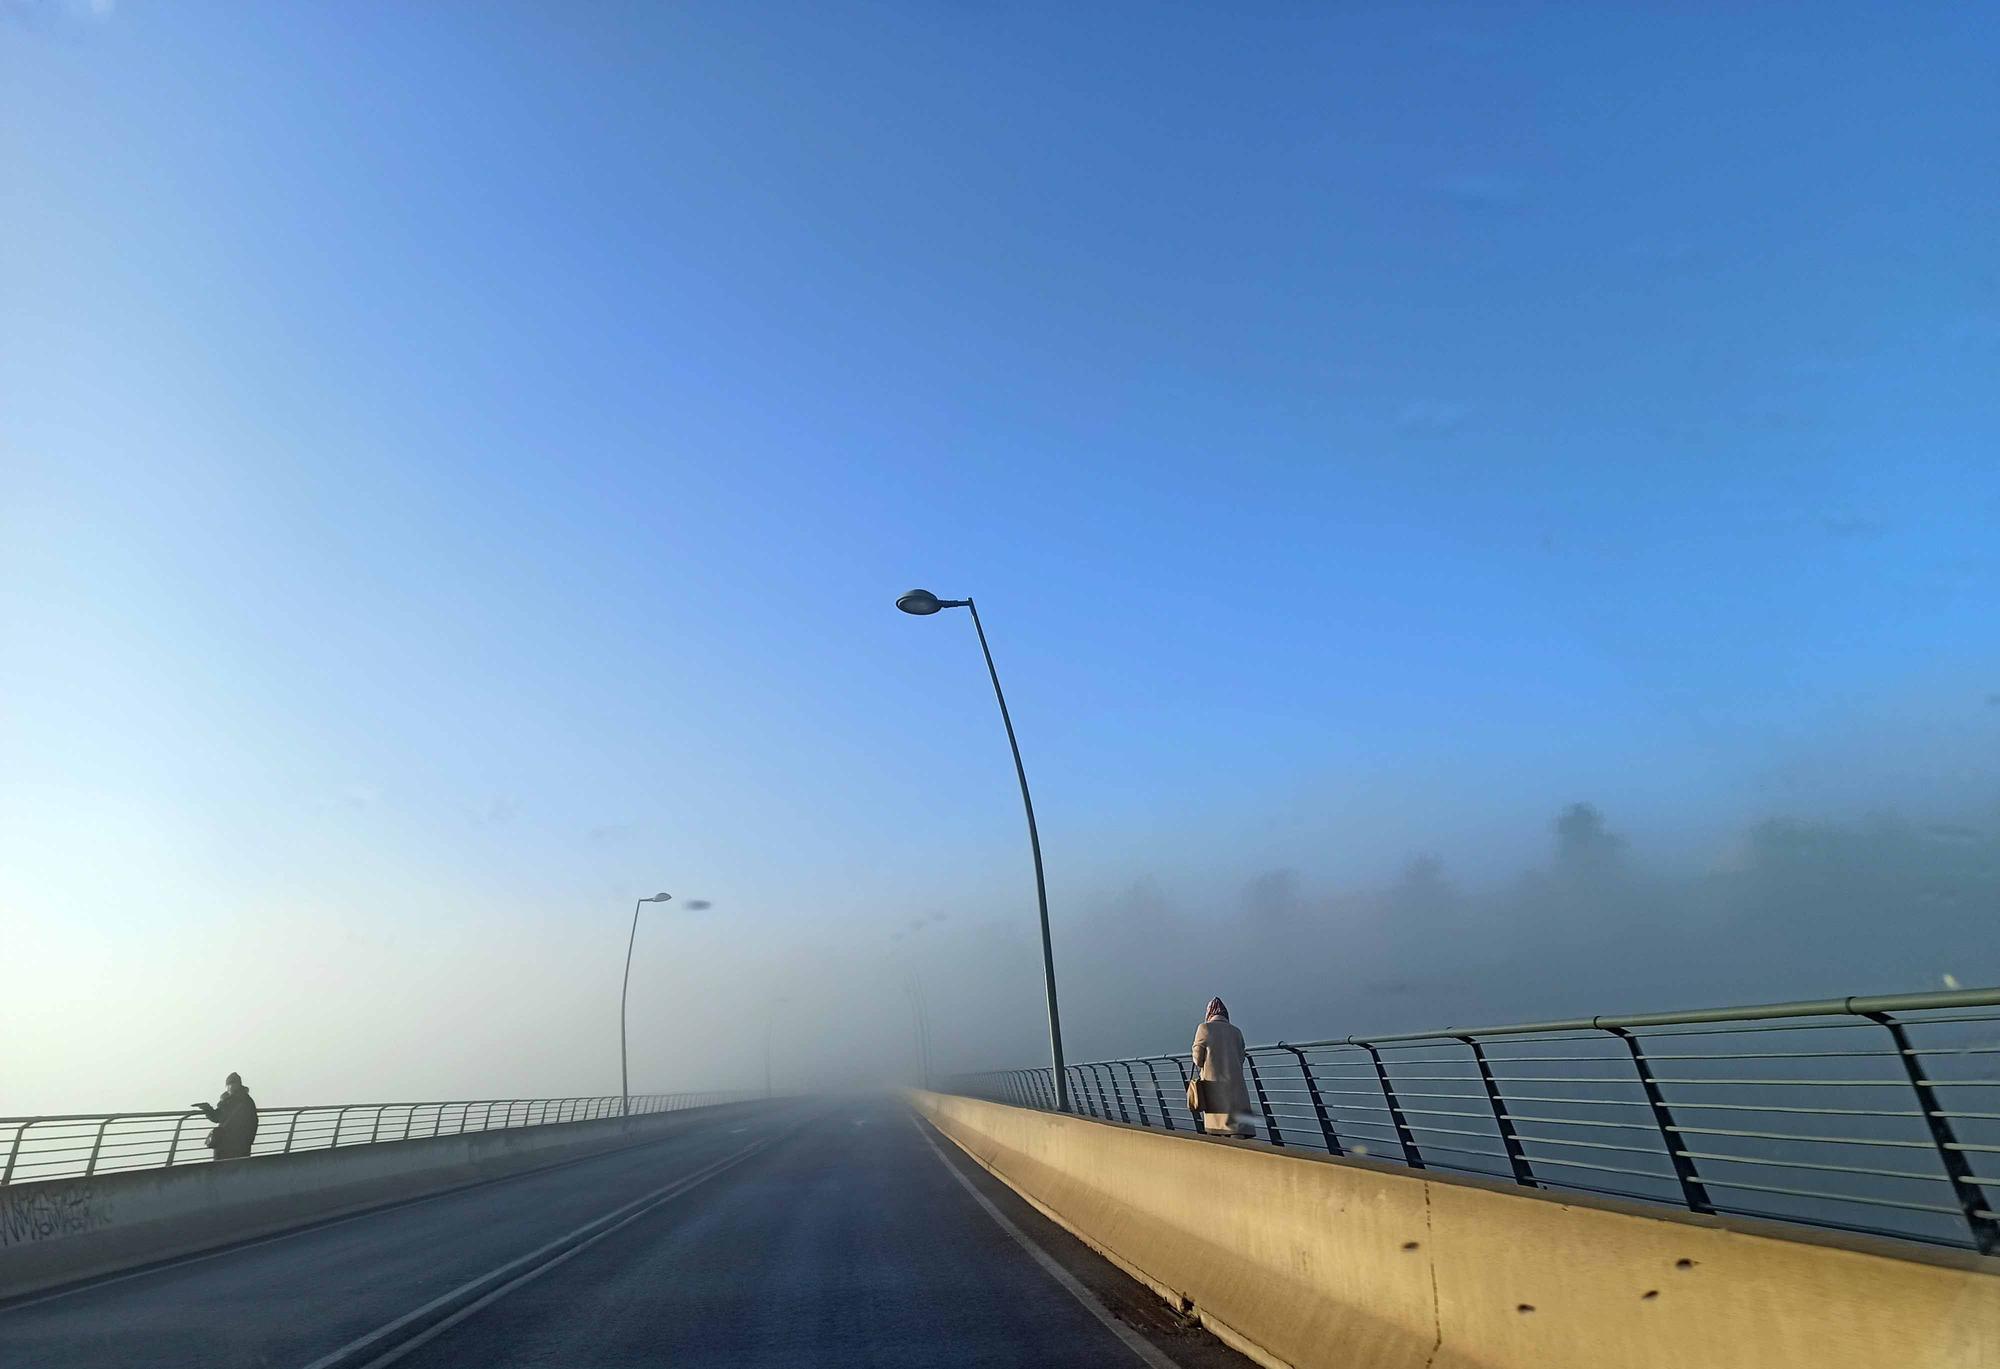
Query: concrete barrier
1304	1261
67	1229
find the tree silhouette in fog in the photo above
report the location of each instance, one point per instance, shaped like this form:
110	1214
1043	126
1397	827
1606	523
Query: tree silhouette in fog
1583	844
1790	907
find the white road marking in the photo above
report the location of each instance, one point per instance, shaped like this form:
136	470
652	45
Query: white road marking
526	1265
1136	1343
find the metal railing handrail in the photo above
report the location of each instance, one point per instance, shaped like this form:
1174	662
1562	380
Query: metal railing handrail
1608	1113
264	1109
53	1146
1757	1012
1762	1012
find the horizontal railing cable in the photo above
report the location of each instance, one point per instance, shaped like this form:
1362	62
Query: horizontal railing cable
1705	1109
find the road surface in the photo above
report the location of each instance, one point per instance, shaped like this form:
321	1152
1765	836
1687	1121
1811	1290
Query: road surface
789	1234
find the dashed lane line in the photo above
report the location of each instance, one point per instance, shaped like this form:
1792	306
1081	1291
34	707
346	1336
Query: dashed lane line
391	1342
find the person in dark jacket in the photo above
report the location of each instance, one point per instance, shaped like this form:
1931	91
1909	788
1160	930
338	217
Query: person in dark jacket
235	1118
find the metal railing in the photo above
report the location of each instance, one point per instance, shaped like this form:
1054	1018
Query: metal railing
1879	1115
81	1145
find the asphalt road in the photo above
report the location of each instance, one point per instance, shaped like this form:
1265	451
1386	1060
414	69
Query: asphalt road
793	1234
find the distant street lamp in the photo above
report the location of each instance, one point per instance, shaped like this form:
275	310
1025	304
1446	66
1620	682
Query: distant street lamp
770	1014
915	992
624	1078
923	603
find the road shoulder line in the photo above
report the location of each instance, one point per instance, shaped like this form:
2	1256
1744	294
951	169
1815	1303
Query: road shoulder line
1147	1352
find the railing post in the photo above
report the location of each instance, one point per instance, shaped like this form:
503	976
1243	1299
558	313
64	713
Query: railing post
1105	1097
1084	1081
1138	1099
175	1148
376	1130
291	1131
1117	1098
338	1118
1693	1192
1985	1231
1263	1101
1187	1077
91	1168
1326	1132
1404	1136
14	1153
1159	1096
1517	1158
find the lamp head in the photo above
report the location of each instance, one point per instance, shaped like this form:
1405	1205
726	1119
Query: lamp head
923	603
657	898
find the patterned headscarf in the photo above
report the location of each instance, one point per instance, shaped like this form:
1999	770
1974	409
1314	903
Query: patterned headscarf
1217	1008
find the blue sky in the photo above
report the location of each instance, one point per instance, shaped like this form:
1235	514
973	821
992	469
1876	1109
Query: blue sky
456	464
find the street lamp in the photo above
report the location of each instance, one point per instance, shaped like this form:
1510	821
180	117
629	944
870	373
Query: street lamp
915	991
624	1078
923	604
770	1015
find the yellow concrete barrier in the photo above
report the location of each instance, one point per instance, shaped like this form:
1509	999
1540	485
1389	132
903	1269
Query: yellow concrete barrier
1303	1260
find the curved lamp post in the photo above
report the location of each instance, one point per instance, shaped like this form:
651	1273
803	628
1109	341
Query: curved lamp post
923	603
625	1079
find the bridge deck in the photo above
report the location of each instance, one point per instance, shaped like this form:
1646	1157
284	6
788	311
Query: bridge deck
811	1233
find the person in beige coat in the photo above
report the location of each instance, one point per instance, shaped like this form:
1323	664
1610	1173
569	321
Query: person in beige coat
1218	1055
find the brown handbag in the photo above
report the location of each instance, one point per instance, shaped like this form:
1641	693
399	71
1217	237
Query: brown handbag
1195	1096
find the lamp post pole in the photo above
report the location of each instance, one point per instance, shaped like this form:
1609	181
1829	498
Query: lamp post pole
770	1015
923	603
624	1076
914	988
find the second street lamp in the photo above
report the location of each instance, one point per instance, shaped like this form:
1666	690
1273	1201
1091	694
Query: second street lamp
624	1078
923	603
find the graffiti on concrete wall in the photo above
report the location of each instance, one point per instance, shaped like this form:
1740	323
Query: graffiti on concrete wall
49	1212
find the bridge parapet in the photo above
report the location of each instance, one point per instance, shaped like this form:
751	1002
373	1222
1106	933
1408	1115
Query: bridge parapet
1306	1260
